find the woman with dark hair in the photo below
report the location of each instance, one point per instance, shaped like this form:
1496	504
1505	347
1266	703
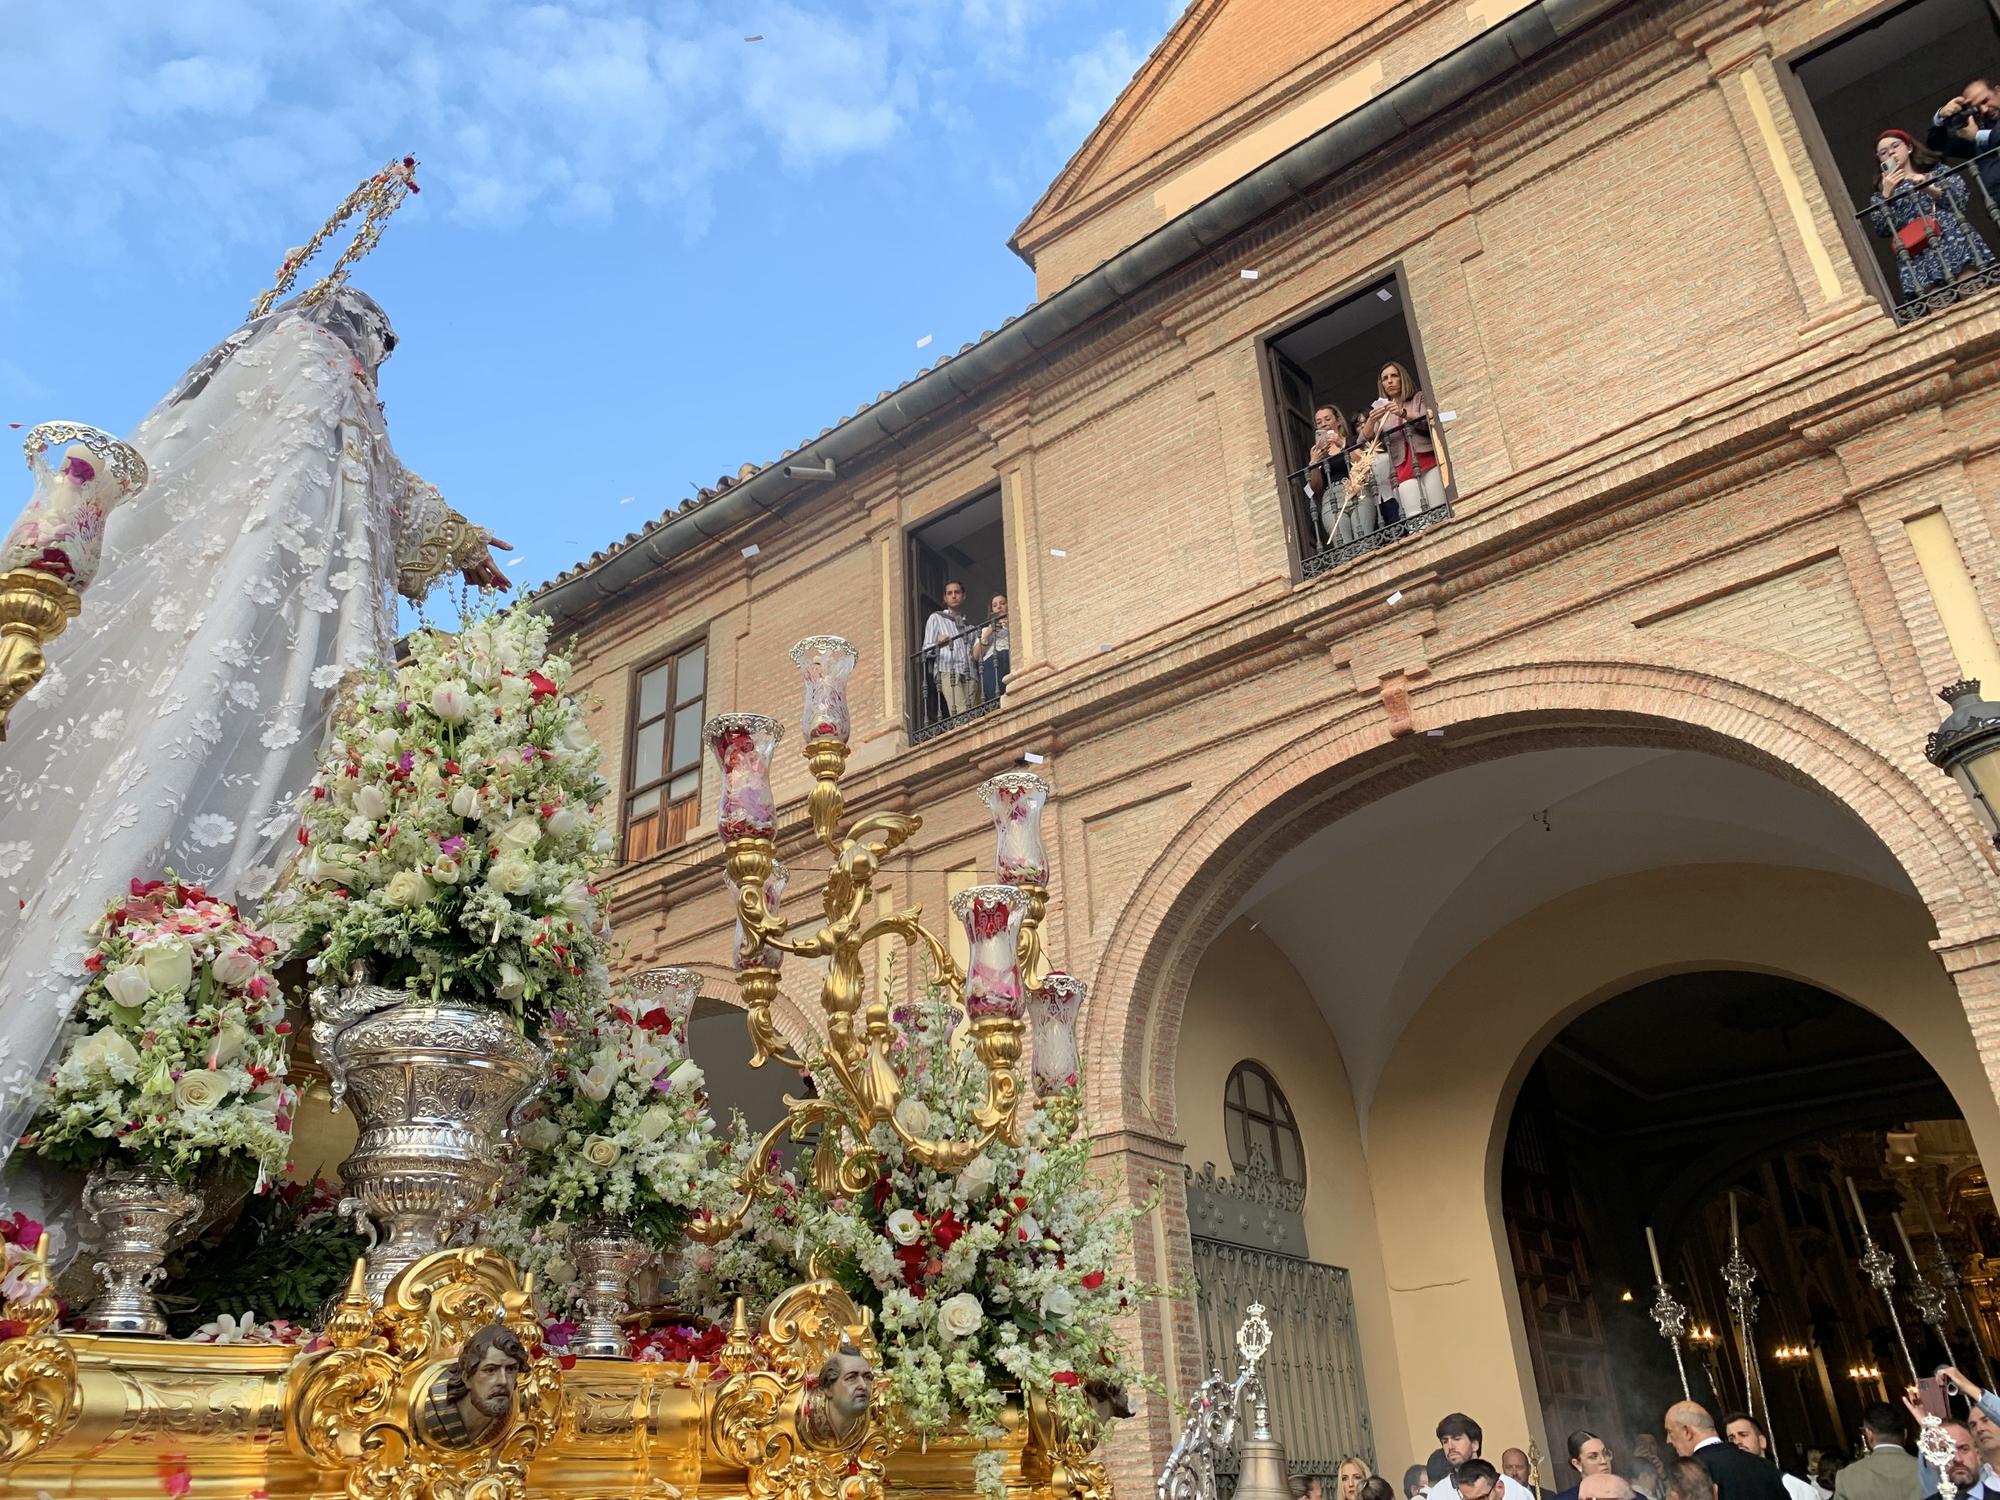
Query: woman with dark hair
1921	212
1588	1454
1402	420
1416	1481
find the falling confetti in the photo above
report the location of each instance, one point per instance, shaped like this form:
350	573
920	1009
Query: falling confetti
1034	759
758	38
1247	275
1397	597
924	341
628	499
751	550
1057	552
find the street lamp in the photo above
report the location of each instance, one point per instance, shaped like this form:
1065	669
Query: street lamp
1966	747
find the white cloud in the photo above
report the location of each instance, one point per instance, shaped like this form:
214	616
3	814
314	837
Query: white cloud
1090	81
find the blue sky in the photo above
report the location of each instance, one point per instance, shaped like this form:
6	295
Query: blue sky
645	252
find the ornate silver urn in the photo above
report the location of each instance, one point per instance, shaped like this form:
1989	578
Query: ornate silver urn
607	1255
434	1088
138	1209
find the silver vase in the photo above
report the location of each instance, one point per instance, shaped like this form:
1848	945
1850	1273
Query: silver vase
138	1210
434	1088
607	1255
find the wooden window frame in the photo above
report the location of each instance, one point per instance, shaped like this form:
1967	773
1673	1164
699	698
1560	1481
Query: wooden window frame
633	722
1270	1121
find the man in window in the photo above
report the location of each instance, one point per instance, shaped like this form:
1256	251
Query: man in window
948	650
1965	127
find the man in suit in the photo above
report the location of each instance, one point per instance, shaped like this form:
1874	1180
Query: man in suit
1962	1468
1889	1470
1737	1476
1514	1464
1747	1433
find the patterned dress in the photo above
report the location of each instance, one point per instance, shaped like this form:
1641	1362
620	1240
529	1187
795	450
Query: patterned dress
1954	246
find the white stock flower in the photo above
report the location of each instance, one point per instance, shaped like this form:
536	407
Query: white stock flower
127	986
903	1227
371	801
407	888
961	1316
451	700
169	966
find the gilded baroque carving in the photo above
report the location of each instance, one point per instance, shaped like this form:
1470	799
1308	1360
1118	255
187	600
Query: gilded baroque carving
38	1385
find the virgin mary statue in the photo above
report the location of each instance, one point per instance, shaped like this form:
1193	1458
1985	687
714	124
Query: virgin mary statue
181	716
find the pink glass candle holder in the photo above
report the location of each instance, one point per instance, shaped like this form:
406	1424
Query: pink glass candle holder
825	662
673	990
1016	799
992	916
1052	1008
742	745
774	890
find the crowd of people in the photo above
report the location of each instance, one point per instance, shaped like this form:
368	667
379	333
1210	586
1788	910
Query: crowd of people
1377	469
1702	1460
1923	192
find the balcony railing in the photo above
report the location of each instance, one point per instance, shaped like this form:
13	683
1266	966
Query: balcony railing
1345	518
959	678
1951	260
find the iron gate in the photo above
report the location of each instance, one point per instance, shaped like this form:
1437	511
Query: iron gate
1319	1408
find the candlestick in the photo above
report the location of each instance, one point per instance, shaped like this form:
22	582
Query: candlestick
1653	1246
1732	1216
1855	1193
1903	1234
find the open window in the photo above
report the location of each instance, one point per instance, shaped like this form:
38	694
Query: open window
1383	472
1893	70
663	759
958	617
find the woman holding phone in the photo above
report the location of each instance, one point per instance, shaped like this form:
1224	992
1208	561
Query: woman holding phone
1922	213
1348	511
1402	419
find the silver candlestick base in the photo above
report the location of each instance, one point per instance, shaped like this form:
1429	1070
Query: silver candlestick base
607	1256
138	1210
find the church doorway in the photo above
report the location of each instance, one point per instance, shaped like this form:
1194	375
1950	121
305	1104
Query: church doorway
1719	1096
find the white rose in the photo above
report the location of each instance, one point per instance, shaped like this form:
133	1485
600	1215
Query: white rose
408	888
1058	1303
451	700
977	1176
576	735
383	742
513	983
687	1075
653	1122
200	1088
563	821
540	1134
169	966
521	835
600	1152
914	1116
903	1227
446	869
510	876
465	802
106	1049
370	800
960	1317
235	967
127	986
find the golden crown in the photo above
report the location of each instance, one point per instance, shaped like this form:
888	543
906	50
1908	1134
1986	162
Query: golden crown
376	198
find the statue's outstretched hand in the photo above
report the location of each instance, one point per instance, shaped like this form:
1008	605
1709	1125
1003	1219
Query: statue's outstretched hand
484	572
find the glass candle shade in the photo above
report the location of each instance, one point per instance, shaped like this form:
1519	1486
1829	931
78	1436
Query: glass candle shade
1052	1009
673	990
742	745
1016	799
80	475
824	663
774	891
992	916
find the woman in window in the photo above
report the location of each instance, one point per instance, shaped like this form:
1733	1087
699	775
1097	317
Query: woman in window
1348	507
1921	212
1402	420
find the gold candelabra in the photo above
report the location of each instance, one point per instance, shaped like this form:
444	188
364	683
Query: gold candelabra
1004	929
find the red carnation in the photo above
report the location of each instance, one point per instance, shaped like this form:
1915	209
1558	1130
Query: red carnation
1066	1377
1093	1281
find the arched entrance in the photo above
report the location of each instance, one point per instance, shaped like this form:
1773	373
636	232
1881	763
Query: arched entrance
1708	1099
1399	931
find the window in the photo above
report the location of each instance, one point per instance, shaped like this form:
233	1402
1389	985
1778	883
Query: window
1256	1116
1891	71
663	766
961	653
1369	494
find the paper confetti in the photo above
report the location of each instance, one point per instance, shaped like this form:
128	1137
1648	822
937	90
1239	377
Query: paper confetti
924	341
1397	597
1385	294
1434	733
1033	759
1447	416
1057	552
1247	275
758	38
751	550
628	499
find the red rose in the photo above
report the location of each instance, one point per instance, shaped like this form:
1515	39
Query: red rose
1093	1281
1066	1377
543	687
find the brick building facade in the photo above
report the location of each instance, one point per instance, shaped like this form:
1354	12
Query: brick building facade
1708	497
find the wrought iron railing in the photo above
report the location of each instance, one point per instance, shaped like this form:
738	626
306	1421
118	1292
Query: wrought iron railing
1953	261
959	677
1313	1373
1331	513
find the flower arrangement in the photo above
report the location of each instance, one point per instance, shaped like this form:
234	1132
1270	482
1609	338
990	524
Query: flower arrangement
177	1057
451	838
624	1129
1001	1277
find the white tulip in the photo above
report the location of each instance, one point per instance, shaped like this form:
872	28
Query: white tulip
687	1075
451	700
446	869
653	1122
383	742
513	983
370	800
235	967
127	986
540	1134
563	821
1058	1302
465	802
